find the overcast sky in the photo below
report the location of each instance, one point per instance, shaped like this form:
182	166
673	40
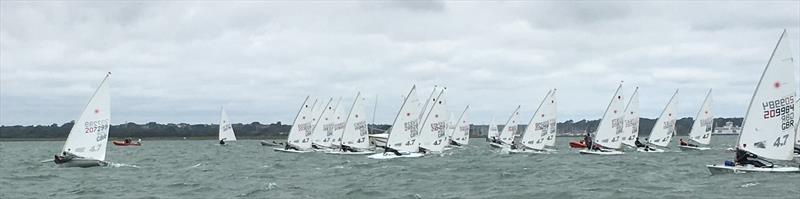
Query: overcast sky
180	61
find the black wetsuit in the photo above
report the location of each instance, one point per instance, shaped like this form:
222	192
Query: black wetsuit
222	142
387	150
741	158
797	150
687	144
639	144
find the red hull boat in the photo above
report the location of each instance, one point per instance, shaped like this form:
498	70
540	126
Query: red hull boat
124	143
577	144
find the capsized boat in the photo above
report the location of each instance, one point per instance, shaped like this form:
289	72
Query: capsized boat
541	130
701	128
299	140
87	140
402	139
664	128
607	138
766	132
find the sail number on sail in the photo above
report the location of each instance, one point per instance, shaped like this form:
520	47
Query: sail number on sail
96	126
784	108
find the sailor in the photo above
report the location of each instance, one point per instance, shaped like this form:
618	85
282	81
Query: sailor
742	155
222	141
289	146
387	150
639	144
797	149
513	145
683	143
587	140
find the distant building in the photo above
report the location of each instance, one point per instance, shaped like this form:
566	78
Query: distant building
728	129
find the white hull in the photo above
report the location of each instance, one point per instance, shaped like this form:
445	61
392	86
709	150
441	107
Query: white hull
350	153
606	152
722	169
265	143
289	150
692	148
527	151
383	156
498	146
80	162
652	150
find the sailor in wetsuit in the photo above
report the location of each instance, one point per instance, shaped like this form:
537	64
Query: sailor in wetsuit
289	146
683	143
222	141
387	150
742	155
796	149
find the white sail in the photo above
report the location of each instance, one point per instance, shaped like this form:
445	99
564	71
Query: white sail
405	128
426	107
664	128
507	135
299	134
88	138
550	137
433	133
225	128
631	130
538	130
355	130
704	122
323	124
768	126
493	131
610	128
460	134
339	121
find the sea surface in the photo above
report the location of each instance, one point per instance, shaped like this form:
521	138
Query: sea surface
245	169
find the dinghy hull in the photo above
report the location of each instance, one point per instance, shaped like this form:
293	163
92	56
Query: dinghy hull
265	143
578	145
350	153
722	169
384	156
496	145
517	151
83	163
122	143
592	152
651	150
289	150
692	148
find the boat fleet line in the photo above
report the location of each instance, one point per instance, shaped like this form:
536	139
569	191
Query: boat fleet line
769	129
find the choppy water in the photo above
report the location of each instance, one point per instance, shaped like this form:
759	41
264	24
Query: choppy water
201	169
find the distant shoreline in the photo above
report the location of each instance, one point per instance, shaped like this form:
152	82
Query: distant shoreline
205	138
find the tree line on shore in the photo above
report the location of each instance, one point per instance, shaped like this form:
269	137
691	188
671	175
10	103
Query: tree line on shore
278	130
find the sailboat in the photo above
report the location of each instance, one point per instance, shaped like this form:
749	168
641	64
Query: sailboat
87	140
324	126
299	140
225	128
402	140
609	130
506	137
492	132
702	127
767	132
630	133
433	131
664	128
353	140
541	129
460	134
